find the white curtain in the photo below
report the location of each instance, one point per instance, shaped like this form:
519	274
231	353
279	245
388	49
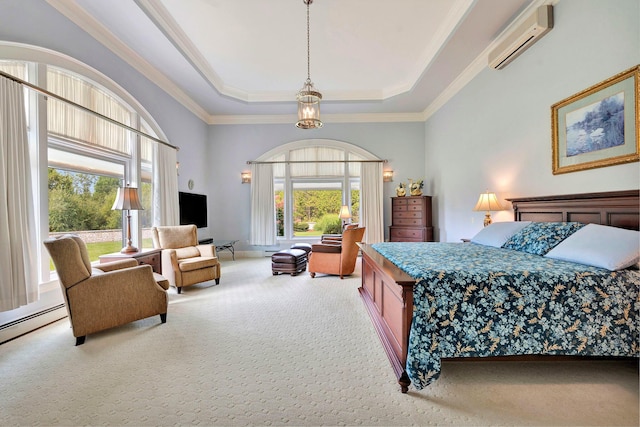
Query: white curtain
263	221
18	265
165	187
67	120
313	154
371	202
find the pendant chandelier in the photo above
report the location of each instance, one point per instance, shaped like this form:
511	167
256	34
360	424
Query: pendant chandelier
308	97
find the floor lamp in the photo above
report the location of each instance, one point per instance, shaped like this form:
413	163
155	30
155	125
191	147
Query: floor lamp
127	199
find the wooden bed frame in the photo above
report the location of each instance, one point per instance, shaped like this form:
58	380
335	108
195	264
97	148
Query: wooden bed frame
387	291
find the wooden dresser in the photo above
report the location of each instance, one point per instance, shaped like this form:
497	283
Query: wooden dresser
411	219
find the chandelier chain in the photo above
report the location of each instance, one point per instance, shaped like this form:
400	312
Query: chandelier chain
308	2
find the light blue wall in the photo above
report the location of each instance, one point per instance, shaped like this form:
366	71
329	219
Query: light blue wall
232	145
496	133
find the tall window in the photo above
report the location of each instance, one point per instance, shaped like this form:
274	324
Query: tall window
96	156
312	181
88	157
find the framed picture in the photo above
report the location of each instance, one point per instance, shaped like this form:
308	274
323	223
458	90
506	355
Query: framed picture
598	126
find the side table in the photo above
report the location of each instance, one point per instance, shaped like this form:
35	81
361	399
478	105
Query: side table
144	256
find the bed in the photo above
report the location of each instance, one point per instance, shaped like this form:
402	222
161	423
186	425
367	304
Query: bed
516	305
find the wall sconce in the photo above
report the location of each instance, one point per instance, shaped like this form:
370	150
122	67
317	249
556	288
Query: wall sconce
246	177
387	176
488	202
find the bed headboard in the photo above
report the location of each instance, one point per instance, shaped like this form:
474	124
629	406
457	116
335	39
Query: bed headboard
615	208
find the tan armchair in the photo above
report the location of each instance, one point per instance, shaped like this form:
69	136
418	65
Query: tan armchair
184	261
337	257
105	295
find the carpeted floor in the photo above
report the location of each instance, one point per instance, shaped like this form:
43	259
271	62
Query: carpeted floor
279	350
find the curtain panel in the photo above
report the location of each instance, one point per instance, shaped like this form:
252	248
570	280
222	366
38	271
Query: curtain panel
371	202
263	217
165	187
18	266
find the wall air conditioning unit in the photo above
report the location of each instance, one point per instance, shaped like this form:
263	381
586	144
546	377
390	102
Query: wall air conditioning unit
530	31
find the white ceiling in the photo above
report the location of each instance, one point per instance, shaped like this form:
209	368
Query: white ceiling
234	61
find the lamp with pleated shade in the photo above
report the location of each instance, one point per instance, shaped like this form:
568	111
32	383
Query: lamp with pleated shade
488	202
127	199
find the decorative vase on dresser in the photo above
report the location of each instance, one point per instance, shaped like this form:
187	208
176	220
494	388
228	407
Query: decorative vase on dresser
411	219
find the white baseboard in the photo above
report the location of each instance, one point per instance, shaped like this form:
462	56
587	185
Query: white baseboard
30	323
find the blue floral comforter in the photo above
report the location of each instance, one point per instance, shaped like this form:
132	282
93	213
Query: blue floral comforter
473	301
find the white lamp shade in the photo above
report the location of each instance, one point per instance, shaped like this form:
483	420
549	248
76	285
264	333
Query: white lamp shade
344	212
488	202
127	199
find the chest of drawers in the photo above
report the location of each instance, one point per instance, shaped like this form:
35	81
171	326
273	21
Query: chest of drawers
411	219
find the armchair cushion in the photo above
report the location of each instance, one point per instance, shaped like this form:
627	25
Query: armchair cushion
326	248
188	252
197	263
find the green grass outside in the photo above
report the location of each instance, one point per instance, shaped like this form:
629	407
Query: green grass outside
101	248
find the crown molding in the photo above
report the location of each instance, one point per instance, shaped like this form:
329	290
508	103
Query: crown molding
326	118
431	51
480	63
77	15
160	16
163	20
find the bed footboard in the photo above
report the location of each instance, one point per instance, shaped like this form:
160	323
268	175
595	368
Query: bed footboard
387	293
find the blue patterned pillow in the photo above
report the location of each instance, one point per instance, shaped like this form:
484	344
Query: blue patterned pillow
540	237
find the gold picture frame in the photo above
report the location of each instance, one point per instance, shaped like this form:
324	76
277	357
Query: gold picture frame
599	126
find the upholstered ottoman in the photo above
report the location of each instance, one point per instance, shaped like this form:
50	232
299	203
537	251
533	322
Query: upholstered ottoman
304	246
292	261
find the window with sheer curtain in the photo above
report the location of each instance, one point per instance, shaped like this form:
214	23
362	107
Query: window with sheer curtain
311	182
89	157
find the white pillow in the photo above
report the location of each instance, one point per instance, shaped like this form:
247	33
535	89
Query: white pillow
497	233
600	246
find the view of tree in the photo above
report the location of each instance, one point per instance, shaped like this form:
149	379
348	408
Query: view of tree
79	201
311	205
320	207
280	213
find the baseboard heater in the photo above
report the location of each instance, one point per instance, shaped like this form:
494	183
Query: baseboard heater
24	325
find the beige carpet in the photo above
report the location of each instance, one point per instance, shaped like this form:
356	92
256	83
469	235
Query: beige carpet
279	350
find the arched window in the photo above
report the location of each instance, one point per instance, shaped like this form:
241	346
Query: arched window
87	158
313	179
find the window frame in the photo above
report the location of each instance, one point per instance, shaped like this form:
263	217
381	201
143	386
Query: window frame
37	60
282	154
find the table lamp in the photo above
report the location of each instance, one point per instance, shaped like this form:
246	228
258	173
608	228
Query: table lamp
344	215
127	199
488	202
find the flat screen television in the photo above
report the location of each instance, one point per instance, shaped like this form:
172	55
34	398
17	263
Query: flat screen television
193	209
